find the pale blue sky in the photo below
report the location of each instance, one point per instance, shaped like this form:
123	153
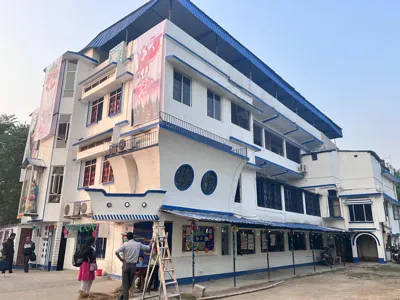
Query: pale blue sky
343	56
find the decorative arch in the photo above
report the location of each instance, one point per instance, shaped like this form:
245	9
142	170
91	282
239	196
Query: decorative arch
365	233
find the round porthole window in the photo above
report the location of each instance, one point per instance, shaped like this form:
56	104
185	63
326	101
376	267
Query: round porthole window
209	182
184	177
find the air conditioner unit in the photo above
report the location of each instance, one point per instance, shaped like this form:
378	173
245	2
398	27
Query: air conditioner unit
86	208
302	168
72	210
122	145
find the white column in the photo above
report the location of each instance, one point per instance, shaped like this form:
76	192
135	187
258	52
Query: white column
304	202
57	234
283	198
284	148
262	137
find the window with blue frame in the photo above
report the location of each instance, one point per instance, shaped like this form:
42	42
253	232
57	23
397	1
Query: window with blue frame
115	102
240	116
209	182
246	242
360	213
297	241
294	199
268	193
257	134
184	177
181	92
292	152
96	111
213	105
312	204
316	241
272	241
273	143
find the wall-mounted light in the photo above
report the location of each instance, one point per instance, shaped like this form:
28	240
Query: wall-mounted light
144	204
127	204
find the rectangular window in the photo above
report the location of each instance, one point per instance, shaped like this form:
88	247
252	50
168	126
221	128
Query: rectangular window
96	111
268	193
115	102
292	152
63	131
107	174
294	199
203	239
70	78
312	204
101	246
272	241
238	192
297	241
57	177
213	105
360	213
224	240
240	116
181	91
273	143
396	214
246	242
89	173
334	207
316	241
257	134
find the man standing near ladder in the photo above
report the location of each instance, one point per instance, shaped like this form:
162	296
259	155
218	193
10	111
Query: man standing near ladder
131	250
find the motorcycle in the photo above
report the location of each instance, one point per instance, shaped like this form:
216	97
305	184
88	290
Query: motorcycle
395	254
327	257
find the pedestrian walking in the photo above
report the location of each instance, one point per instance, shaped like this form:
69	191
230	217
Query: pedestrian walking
86	270
130	251
29	253
8	253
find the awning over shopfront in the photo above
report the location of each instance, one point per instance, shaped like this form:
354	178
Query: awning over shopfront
124	217
230	218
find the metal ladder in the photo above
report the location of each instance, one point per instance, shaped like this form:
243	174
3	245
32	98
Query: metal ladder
160	237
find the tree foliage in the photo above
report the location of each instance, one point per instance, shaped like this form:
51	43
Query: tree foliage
12	145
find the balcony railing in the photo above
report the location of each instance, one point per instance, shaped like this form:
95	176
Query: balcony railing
134	143
200	134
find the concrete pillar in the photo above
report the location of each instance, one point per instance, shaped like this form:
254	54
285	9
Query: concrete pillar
304	202
286	240
283	198
57	234
284	148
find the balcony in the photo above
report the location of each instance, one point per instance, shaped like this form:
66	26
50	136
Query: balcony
104	81
134	143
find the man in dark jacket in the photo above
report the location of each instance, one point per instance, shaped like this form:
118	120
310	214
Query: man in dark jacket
29	250
8	252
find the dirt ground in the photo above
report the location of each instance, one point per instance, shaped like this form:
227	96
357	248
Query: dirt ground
380	282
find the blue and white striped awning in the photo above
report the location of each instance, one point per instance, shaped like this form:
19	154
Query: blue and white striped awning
125	217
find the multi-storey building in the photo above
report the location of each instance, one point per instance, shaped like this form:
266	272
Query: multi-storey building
165	116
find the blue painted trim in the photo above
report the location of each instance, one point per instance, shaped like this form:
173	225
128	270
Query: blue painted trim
201	183
244	143
122	102
392	200
318	186
122	74
123	195
354	196
174	57
272	118
390	176
184	189
180	208
122	123
34	221
335	218
195	54
352	229
285	172
310	141
98	72
356	260
381	260
132	150
253	165
204	140
355	237
272	163
135	131
84	56
92	137
361	222
291	131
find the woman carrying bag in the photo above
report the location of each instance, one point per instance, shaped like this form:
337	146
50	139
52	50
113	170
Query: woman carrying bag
29	253
88	266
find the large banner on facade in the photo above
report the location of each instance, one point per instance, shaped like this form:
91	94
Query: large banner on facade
148	61
30	147
48	105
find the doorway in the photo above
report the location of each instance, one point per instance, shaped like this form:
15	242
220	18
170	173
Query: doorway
25	232
225	240
344	245
61	252
367	248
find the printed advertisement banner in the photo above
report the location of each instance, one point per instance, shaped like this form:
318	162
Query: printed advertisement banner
148	61
30	148
48	105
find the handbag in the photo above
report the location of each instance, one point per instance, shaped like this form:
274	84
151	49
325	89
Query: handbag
32	257
93	267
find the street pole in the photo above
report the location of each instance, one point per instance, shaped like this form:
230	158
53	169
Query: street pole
294	267
312	248
234	256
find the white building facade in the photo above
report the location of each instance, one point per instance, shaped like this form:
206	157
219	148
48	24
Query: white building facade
172	120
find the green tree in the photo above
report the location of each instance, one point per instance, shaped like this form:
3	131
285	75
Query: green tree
397	174
13	136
